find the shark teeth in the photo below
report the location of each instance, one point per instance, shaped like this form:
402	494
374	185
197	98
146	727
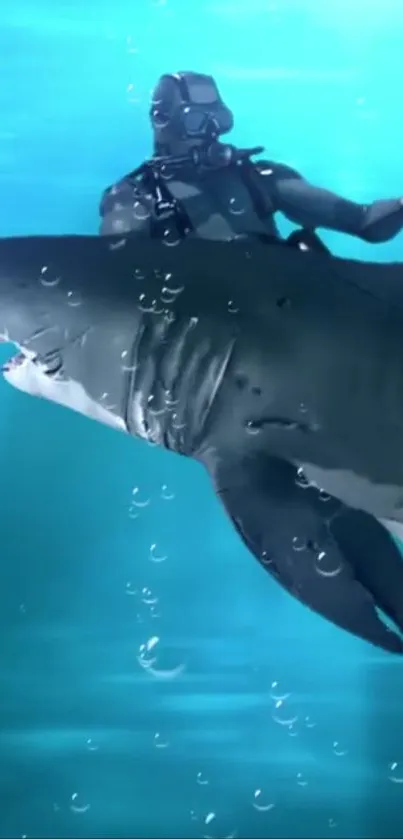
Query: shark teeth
21	357
14	362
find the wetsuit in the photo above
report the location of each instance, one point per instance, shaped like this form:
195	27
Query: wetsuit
237	199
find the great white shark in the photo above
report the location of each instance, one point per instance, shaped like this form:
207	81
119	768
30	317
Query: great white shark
280	371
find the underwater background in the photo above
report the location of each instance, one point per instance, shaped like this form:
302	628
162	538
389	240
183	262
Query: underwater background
153	680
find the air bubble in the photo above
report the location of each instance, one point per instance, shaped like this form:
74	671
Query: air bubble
298	544
140	211
177	424
252	428
396	772
105	399
169	316
166	172
166	493
47	279
325	567
159	118
166	675
136	501
138	274
91	746
127	368
167	297
155	556
258	802
170	238
235	207
276	694
338	750
301	479
171	289
201	780
149	306
148	660
117	246
73	299
301	780
287	720
152	642
232	308
130	47
76	806
170	402
159	741
145	657
148	597
156	412
209	818
324	496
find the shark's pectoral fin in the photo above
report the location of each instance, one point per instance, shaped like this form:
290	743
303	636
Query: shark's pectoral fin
341	563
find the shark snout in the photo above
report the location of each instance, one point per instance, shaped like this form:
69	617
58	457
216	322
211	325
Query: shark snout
24	373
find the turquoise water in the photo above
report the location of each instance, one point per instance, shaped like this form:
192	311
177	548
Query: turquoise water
249	691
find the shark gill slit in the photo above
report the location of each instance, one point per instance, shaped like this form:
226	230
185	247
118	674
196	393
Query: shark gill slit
173	356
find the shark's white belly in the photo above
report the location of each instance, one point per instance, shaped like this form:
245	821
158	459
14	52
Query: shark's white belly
384	501
31	378
394	527
381	501
354	491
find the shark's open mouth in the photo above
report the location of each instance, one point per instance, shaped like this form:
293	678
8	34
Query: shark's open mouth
15	362
43	377
50	366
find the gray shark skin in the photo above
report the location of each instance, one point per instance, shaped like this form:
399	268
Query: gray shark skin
280	371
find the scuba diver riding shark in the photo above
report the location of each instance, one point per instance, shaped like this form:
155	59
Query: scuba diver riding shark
278	368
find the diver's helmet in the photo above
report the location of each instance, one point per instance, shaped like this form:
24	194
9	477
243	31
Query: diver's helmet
187	112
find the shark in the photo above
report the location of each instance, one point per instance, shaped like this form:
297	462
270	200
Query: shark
280	371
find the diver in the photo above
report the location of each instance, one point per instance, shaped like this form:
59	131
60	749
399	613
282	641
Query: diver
196	185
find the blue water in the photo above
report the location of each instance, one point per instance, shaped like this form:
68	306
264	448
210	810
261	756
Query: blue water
249	691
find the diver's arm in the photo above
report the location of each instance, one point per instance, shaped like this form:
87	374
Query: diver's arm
124	208
311	207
